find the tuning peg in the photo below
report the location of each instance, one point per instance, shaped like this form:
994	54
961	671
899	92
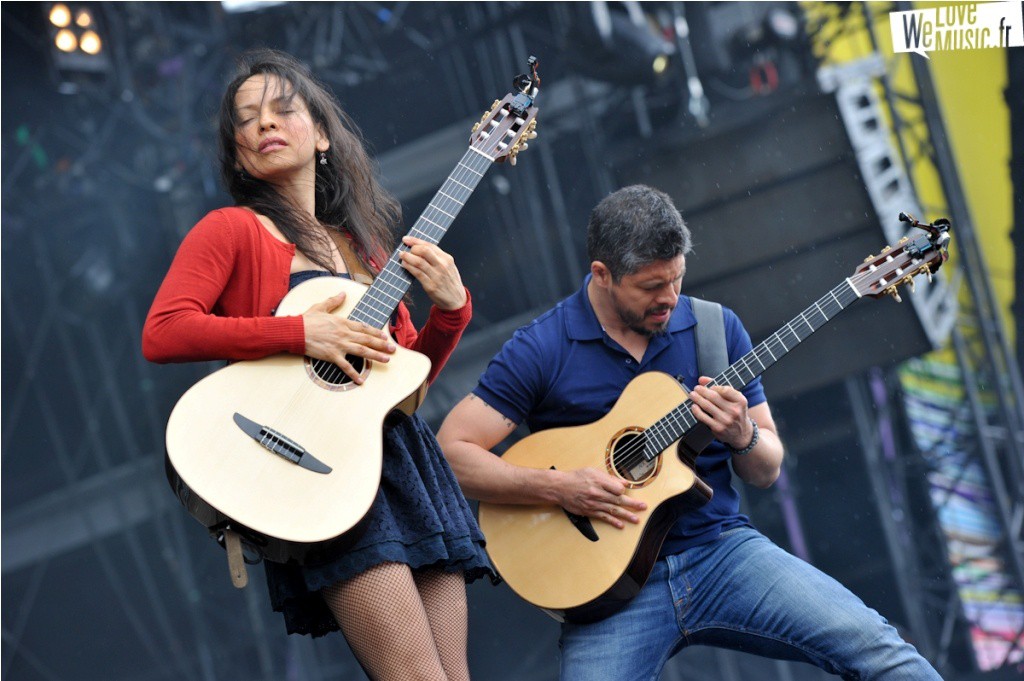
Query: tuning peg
869	258
895	294
928	273
523	146
512	160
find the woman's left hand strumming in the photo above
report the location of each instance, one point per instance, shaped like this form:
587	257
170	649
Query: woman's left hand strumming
436	272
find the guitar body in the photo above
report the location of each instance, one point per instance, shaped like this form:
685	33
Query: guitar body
546	558
224	476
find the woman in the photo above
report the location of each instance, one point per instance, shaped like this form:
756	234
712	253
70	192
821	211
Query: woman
307	205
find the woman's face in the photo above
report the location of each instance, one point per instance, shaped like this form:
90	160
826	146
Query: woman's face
275	135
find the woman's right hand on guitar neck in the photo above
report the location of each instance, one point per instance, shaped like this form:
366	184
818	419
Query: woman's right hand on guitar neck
330	337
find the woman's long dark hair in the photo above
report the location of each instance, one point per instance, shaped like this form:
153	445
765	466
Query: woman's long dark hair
348	194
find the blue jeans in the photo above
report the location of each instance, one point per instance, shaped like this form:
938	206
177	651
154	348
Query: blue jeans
742	592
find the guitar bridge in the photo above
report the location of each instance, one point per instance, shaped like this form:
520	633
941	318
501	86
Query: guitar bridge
281	445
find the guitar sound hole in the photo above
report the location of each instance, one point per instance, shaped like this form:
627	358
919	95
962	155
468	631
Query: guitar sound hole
626	460
329	375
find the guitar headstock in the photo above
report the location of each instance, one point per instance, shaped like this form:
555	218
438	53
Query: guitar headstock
882	274
511	122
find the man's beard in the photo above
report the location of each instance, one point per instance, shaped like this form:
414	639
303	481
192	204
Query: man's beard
636	322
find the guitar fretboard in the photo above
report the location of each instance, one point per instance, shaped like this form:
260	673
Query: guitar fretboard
677	422
380	301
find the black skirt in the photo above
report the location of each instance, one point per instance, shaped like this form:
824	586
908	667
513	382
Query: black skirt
419	518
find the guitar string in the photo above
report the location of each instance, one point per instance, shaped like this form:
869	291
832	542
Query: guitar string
328	371
438	205
468	172
636	451
370	300
380	310
388	274
375	310
334	375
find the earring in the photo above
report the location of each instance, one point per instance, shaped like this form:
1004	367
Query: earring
323	158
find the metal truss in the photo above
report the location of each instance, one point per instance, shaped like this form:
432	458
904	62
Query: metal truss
920	566
984	356
987	366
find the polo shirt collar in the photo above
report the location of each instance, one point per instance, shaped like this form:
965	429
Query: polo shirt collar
581	323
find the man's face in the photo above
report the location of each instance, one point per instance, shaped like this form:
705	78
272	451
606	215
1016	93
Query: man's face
645	299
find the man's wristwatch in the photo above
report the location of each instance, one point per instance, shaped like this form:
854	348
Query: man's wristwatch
753	441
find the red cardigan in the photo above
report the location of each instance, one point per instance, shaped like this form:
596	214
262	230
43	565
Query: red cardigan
229	274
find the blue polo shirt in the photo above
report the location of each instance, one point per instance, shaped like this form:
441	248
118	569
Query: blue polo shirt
563	370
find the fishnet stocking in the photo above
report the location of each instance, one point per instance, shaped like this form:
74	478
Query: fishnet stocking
397	632
444	599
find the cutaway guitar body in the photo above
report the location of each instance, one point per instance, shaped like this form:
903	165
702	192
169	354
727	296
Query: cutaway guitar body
581	569
311	405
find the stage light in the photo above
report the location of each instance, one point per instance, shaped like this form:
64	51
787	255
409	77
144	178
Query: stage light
66	41
91	43
76	29
60	16
660	64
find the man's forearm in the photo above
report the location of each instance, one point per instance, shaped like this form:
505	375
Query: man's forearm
486	477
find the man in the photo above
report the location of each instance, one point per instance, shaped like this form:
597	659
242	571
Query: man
717	581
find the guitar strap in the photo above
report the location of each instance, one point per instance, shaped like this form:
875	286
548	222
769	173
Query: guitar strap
712	351
236	560
352	263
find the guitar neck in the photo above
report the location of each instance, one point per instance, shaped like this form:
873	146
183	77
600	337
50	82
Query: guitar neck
380	301
677	422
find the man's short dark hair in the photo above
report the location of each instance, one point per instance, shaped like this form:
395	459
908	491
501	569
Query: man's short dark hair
633	227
